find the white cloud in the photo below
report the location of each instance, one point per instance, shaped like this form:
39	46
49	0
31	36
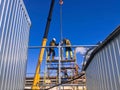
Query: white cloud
81	50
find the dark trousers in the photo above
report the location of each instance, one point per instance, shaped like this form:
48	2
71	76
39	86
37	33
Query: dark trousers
68	49
51	50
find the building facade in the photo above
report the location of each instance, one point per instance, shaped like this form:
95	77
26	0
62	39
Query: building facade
14	36
103	66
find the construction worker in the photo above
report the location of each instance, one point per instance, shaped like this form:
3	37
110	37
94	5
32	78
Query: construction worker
51	49
76	69
65	75
67	48
61	2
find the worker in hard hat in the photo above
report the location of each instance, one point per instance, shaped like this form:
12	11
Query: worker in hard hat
64	75
67	48
61	2
51	49
76	69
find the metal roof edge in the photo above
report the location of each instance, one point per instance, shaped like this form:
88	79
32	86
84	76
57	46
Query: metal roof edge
115	33
26	13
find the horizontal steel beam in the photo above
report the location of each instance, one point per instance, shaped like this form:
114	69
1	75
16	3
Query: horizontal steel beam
60	60
73	46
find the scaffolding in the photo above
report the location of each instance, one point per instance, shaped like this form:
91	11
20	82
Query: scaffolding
54	72
53	78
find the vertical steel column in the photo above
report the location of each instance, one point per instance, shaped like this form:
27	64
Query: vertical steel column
59	66
46	71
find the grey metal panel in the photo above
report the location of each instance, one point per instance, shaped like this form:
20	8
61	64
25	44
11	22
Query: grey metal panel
116	65
112	65
5	48
108	65
103	72
13	55
1	37
107	82
10	35
99	74
18	54
14	36
21	48
2	10
15	59
26	34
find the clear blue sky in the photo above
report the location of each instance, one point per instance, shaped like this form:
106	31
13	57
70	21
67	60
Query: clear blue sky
84	21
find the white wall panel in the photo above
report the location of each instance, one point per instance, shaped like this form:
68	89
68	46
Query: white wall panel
103	72
14	36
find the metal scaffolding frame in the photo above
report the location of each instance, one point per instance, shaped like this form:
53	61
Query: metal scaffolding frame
59	64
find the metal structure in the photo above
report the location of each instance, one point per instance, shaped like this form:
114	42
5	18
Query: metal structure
14	35
53	76
103	65
55	73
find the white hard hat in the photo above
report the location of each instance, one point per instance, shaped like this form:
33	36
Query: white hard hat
54	39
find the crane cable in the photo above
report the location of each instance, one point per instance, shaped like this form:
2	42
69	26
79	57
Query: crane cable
61	3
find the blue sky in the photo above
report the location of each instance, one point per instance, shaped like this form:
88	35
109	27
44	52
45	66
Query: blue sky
84	21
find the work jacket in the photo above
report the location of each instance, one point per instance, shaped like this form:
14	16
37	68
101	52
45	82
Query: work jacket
52	43
67	42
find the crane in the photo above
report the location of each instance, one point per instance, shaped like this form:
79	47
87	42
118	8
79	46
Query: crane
36	80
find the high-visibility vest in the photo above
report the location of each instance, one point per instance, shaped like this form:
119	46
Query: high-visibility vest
67	42
52	43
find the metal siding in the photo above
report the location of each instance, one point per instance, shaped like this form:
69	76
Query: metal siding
22	49
16	83
25	48
95	76
4	41
2	10
103	73
108	65
115	55
14	35
98	74
113	67
106	70
10	35
1	40
18	74
103	70
14	54
118	56
4	13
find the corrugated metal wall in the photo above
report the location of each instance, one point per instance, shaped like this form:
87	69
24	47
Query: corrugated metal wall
14	36
103	72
